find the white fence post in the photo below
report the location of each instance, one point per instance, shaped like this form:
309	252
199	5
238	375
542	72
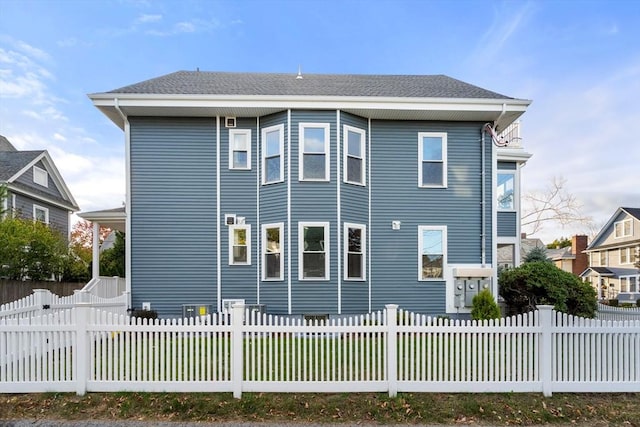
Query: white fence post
42	299
392	348
237	357
545	355
81	353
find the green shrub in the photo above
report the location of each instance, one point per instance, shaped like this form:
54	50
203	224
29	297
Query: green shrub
613	302
484	307
638	302
144	314
541	282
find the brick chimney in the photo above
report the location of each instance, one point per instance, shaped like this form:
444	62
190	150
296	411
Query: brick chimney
578	245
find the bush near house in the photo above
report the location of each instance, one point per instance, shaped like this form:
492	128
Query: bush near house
541	282
484	307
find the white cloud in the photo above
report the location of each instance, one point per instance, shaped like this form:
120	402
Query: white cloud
144	19
59	137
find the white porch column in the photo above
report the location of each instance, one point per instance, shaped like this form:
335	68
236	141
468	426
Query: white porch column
95	266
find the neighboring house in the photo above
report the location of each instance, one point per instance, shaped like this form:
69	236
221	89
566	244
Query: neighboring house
35	188
316	194
613	253
571	259
507	255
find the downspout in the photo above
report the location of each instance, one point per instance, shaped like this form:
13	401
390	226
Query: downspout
127	207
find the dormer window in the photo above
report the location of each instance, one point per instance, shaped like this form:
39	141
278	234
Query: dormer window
40	176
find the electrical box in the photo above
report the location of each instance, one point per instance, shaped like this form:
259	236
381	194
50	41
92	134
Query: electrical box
227	304
468	287
257	308
195	310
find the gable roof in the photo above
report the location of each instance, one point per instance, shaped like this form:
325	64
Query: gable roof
633	212
5	145
392	97
13	162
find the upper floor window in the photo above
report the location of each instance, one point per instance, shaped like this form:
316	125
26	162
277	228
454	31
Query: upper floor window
432	252
314	152
272	154
505	192
355	237
354	155
625	256
272	254
604	259
313	251
239	245
41	214
239	149
623	228
40	176
432	159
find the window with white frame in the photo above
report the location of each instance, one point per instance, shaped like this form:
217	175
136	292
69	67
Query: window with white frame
313	251
314	152
240	245
40	176
623	228
432	252
604	259
41	214
625	256
355	238
240	149
273	154
505	192
272	253
432	159
354	155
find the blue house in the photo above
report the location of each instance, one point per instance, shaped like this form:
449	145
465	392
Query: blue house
316	194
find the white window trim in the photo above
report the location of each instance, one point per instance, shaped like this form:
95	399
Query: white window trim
443	136
515	189
327	264
301	152
345	157
232	228
442	228
622	222
265	131
363	228
232	134
45	210
280	227
39	174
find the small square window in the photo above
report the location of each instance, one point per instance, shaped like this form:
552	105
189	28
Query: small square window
40	176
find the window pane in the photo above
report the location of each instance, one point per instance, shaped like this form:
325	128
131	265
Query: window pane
432	266
240	159
314	140
355	266
314	239
504	191
239	254
354	147
355	240
431	148
273	144
354	170
273	169
432	242
41	215
313	265
432	174
273	266
240	236
627	228
314	166
240	142
273	240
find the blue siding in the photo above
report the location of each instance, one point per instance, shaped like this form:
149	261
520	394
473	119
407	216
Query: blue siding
507	224
58	217
173	212
507	165
396	196
51	189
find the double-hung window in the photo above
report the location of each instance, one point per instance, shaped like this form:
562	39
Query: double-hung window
41	214
355	238
625	256
313	251
432	159
40	176
432	252
505	192
240	149
272	253
354	155
314	152
623	228
273	154
239	245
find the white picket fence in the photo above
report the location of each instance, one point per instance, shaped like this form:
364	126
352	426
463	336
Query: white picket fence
84	349
607	312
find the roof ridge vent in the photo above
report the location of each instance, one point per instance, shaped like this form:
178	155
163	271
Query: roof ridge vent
299	76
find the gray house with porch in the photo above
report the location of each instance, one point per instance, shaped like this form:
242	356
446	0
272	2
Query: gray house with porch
316	194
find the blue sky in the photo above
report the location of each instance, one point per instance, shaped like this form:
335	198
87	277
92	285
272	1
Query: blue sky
579	61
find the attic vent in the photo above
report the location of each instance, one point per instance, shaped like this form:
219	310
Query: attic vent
230	122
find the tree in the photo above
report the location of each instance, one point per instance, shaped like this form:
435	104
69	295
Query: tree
484	306
82	234
3	196
112	260
537	254
553	204
534	283
563	242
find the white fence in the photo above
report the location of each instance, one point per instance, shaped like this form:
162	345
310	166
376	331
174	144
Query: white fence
607	312
85	349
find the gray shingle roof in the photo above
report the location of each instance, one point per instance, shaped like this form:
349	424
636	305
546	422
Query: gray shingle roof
635	212
12	161
5	145
226	83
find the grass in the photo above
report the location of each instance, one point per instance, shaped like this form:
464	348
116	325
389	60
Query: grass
362	408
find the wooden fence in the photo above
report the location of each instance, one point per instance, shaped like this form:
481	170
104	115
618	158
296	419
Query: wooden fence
84	349
12	290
